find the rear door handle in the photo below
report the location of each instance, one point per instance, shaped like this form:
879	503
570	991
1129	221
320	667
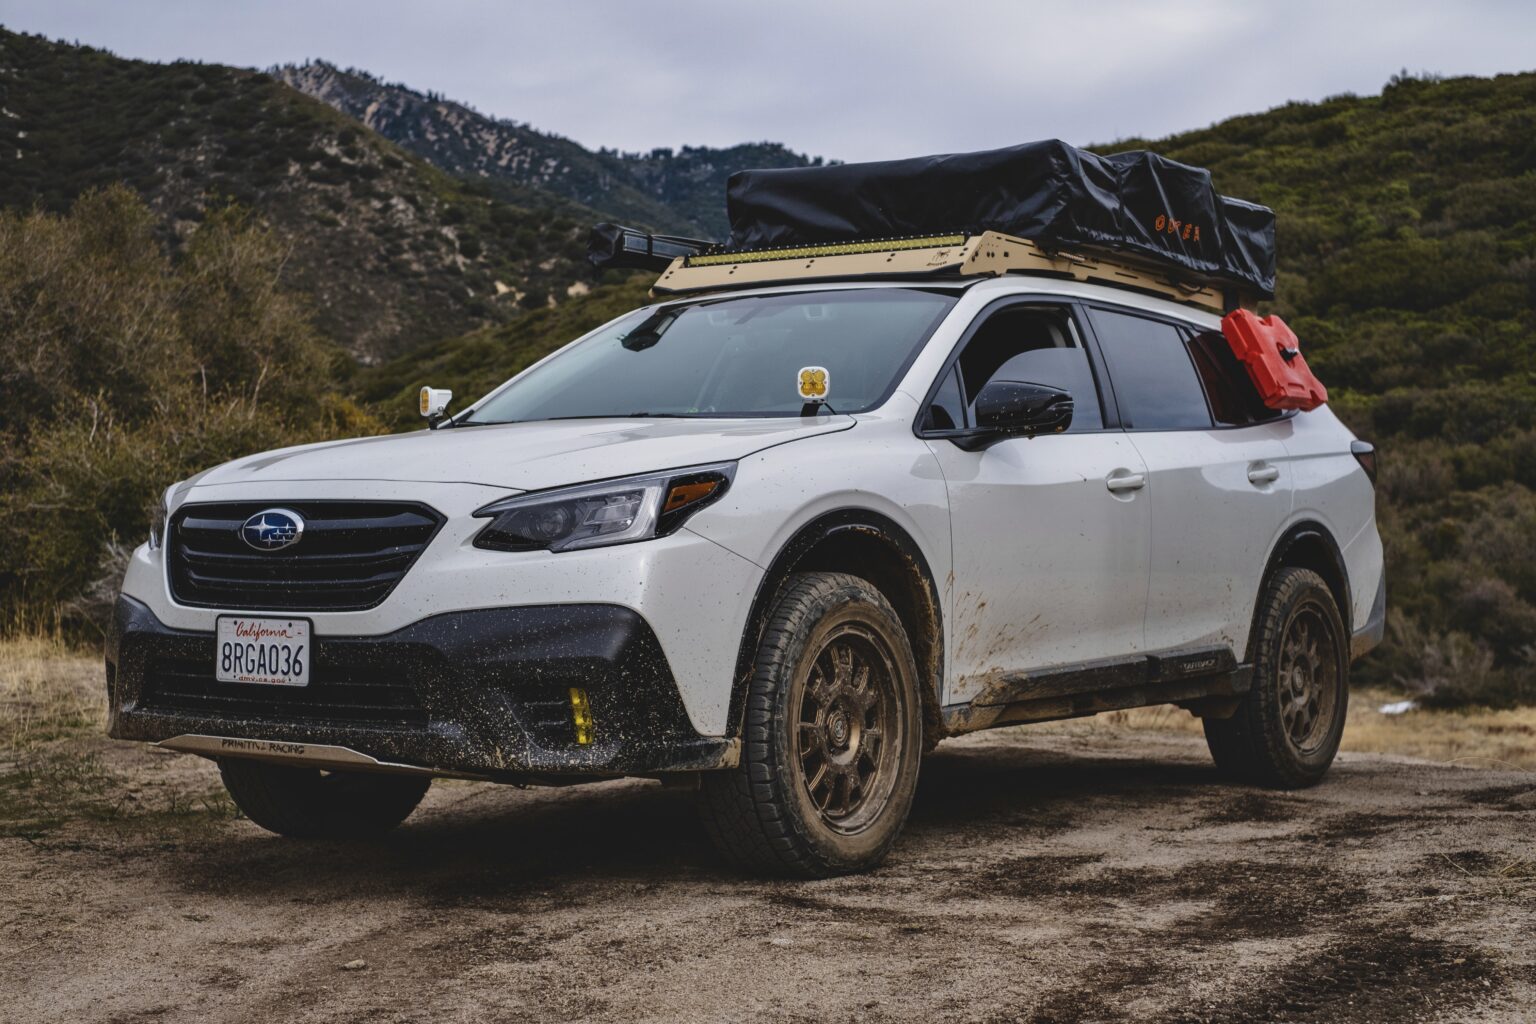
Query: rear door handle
1126	482
1263	474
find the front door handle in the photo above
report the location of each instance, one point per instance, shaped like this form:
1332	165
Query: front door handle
1120	481
1261	473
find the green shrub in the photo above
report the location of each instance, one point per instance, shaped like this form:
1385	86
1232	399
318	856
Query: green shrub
126	370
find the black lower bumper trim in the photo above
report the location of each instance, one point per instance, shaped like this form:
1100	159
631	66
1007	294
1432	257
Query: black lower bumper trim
485	692
1369	636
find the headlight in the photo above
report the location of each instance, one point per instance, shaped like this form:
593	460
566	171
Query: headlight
611	512
157	523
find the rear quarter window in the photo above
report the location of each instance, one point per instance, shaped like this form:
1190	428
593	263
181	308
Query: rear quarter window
1235	402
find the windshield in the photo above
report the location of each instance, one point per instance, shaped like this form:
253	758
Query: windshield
730	357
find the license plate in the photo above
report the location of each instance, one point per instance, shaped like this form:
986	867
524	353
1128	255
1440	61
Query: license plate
272	652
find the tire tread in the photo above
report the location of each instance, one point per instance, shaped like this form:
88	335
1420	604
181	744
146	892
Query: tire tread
1251	745
749	813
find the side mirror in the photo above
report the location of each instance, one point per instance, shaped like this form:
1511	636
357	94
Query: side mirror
1010	408
434	403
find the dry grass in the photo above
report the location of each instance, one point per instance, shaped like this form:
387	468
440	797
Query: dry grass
1472	737
47	692
1478	737
58	769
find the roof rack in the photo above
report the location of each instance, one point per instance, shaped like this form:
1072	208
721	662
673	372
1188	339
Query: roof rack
988	254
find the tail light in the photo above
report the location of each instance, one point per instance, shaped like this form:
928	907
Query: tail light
1365	454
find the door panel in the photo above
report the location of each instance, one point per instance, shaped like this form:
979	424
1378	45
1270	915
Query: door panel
1217	494
1217	499
1050	563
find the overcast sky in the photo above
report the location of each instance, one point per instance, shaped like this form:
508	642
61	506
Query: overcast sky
863	79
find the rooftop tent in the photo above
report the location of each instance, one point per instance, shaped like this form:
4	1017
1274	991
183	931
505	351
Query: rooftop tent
1136	205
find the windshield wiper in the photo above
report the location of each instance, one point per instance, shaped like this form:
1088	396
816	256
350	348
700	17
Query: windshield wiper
604	416
584	416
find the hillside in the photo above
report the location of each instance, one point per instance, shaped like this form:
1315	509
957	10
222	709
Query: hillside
477	362
691	180
1407	232
391	250
681	192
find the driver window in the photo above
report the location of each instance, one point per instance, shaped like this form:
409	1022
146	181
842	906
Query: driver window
1035	345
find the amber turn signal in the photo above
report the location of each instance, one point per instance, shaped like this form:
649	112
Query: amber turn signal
681	495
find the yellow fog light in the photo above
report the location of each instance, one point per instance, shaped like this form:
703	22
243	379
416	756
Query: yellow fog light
581	716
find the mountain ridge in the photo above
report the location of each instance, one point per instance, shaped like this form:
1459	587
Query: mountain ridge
677	191
392	251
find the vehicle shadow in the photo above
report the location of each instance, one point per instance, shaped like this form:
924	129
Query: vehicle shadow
481	842
1026	786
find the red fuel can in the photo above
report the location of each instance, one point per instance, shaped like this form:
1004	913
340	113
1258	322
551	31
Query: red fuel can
1269	350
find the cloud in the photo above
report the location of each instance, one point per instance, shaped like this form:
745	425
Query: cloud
861	79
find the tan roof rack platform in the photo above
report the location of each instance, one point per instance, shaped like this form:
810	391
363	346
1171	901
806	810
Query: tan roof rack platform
988	254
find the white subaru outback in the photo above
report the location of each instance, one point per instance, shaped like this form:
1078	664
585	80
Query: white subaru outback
773	543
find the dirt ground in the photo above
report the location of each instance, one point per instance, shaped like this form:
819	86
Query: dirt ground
1086	871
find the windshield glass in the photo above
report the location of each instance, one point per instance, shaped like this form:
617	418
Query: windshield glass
731	357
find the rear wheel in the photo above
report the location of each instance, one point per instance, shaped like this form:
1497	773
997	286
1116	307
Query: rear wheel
1287	730
832	737
307	803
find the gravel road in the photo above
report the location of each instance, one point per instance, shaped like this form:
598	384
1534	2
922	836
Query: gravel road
1044	876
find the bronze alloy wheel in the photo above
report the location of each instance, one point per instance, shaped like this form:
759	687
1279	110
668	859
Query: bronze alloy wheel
832	735
848	733
1308	678
1286	730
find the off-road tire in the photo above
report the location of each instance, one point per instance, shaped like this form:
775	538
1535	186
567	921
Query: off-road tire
764	816
305	803
1257	744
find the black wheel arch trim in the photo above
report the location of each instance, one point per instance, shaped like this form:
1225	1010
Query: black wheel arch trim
825	527
1303	533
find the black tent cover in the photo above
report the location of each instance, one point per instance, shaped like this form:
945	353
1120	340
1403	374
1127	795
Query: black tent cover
1136	203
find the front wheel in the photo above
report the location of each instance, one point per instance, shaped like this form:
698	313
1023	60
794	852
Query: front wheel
306	803
1287	729
832	736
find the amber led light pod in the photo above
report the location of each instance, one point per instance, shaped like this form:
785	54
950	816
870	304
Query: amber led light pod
581	716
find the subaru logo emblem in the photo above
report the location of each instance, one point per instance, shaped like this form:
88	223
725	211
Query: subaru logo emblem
272	530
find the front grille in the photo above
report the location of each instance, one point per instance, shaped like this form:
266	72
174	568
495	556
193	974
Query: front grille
349	558
352	694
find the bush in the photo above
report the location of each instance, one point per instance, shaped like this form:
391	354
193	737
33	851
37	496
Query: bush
125	371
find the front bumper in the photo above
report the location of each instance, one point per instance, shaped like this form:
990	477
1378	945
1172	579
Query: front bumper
484	693
693	593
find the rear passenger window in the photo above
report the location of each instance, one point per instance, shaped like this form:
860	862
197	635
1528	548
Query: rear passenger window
1154	380
1235	402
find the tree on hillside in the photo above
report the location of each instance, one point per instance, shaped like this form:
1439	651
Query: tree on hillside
125	370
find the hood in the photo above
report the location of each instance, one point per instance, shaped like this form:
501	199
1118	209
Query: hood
525	456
